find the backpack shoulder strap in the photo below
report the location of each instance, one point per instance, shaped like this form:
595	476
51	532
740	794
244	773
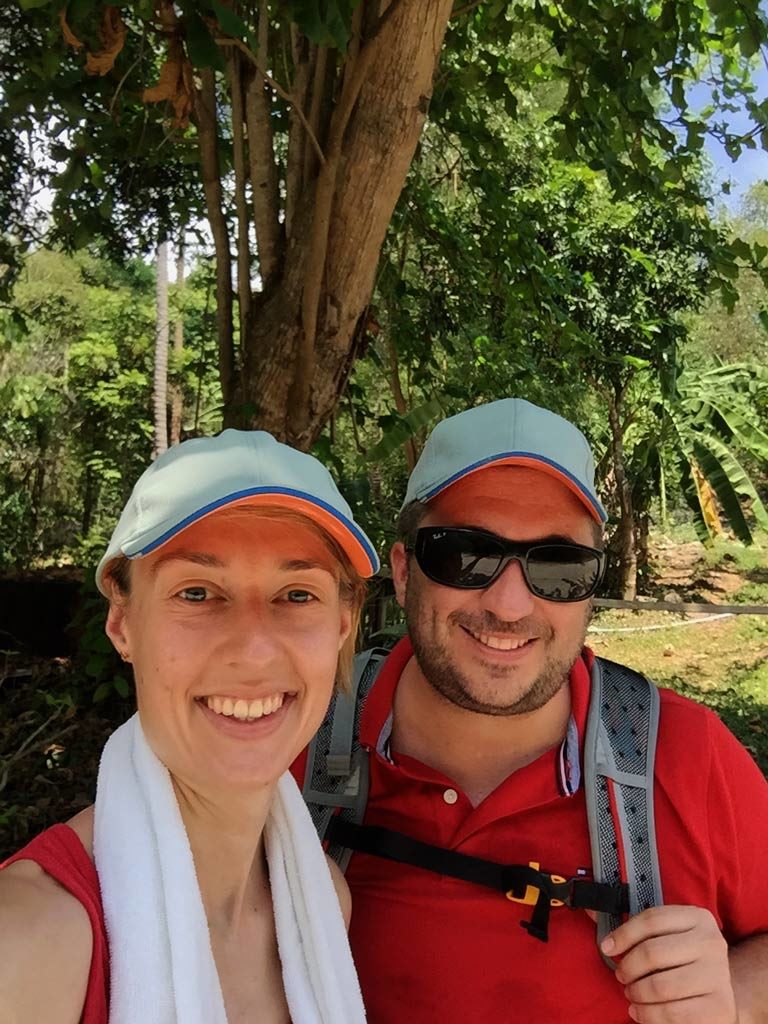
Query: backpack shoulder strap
619	757
336	774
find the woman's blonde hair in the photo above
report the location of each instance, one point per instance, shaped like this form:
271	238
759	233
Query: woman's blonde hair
352	588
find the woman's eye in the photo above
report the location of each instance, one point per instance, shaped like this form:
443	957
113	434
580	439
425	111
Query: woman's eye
193	594
299	596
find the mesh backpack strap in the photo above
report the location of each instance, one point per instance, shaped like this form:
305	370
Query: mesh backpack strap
619	756
336	774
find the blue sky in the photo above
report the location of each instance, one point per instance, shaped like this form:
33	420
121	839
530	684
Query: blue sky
752	165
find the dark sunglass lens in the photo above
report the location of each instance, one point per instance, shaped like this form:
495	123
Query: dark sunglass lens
458	558
561	572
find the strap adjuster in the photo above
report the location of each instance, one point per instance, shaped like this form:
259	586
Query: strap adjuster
339	765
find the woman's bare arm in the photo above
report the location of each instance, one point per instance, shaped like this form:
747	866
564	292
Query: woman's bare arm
46	944
342	890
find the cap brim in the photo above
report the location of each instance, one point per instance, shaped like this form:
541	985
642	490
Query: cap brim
344	531
533	461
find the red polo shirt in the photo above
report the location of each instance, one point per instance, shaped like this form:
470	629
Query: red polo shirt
435	950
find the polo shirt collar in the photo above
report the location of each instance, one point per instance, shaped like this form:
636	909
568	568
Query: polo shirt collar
376	719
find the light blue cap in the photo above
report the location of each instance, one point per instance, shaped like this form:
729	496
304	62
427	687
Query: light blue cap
198	477
510	431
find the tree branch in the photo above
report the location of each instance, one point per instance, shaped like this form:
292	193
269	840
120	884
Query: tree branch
241	205
261	159
205	117
466	8
297	141
411	454
204	114
321	221
318	84
6	762
355	432
177	394
289	97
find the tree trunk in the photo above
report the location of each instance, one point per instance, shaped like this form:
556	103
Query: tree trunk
160	385
177	392
90	496
305	335
38	480
411	454
663	494
625	533
643	548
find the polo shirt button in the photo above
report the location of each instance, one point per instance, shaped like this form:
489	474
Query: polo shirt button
450	796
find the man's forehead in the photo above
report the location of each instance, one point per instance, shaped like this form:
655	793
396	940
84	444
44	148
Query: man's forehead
511	491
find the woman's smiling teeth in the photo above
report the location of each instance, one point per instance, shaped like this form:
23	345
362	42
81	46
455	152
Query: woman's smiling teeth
245	710
501	643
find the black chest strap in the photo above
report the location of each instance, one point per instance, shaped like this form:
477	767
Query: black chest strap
510	879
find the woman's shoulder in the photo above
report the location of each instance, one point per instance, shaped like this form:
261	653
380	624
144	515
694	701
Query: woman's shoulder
46	944
82	826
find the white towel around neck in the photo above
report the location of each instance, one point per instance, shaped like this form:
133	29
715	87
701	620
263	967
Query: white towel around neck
162	969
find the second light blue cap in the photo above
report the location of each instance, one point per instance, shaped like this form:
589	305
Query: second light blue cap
510	431
194	479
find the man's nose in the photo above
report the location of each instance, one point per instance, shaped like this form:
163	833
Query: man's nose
508	597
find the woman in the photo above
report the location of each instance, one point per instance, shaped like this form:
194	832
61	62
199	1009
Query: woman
195	890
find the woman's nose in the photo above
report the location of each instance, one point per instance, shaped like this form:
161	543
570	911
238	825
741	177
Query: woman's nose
251	635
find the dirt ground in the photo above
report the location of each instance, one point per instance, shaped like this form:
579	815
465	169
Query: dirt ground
720	660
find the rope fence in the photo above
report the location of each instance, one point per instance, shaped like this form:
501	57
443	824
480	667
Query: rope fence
659	625
706	613
684	607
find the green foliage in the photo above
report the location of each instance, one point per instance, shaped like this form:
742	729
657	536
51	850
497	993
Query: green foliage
401	428
75	426
724	553
614	82
325	22
98	671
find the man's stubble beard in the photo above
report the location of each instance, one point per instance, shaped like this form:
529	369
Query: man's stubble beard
444	676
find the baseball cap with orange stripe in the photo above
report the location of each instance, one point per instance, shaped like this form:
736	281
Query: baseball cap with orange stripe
199	477
511	432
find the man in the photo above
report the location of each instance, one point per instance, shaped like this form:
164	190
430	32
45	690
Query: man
475	729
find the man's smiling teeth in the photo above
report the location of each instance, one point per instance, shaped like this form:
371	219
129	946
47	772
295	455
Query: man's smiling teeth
245	710
500	643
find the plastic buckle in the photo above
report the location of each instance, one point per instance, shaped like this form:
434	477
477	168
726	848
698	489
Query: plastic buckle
563	890
555	888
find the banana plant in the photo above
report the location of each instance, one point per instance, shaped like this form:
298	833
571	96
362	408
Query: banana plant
709	420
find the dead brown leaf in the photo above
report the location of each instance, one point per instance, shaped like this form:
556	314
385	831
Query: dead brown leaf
167	84
69	35
176	86
112	35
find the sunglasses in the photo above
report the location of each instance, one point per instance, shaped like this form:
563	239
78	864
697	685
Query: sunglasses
472	559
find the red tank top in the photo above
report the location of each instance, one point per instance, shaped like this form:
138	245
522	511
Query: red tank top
61	855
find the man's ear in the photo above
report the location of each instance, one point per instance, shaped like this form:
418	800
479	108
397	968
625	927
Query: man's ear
398	558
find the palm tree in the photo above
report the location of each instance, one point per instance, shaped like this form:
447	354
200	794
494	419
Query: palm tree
160	384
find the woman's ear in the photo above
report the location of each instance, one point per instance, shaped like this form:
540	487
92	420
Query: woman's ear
116	627
345	623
